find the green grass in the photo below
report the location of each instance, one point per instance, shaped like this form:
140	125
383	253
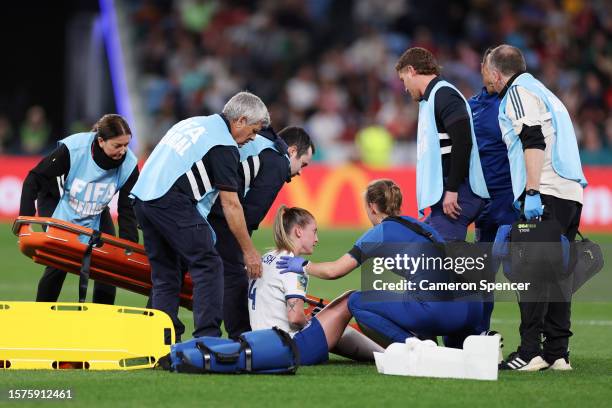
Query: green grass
338	383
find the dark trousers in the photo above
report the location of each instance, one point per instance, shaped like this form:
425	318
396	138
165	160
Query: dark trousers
235	281
173	228
50	285
396	316
456	230
552	319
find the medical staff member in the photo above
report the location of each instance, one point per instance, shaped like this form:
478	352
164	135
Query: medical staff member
498	209
195	163
548	182
267	163
76	182
449	178
394	316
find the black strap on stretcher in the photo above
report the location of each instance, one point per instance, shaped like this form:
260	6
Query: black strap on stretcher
94	240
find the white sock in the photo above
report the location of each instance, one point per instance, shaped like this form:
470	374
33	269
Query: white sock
357	346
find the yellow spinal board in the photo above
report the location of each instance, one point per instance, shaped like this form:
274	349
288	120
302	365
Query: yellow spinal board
37	335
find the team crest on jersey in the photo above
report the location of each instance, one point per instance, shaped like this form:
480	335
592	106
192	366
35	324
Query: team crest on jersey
302	282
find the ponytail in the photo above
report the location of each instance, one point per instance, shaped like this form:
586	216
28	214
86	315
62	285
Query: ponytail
386	195
281	240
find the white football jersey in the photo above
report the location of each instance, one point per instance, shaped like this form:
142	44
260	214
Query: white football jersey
268	295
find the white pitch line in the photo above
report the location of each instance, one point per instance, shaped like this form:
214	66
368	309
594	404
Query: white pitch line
574	322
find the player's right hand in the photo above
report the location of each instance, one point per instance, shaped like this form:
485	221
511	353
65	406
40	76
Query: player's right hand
294	264
252	262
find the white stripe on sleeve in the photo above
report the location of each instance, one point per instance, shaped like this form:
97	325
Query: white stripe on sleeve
247	174
204	175
194	185
256	165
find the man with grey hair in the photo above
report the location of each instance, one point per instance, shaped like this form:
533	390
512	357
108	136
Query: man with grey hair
548	183
195	163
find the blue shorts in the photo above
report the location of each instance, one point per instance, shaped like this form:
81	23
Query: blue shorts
311	343
456	230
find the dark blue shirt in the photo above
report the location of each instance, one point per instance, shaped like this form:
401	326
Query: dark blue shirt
391	239
426	257
274	172
491	147
389	232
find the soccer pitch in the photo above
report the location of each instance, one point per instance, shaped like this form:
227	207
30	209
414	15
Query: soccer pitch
338	383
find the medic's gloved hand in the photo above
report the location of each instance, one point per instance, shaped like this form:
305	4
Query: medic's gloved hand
294	264
533	207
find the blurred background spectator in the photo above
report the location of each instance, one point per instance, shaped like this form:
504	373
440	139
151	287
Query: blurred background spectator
7	136
328	65
35	131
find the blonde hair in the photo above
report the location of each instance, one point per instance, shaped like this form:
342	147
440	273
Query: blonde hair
285	219
386	195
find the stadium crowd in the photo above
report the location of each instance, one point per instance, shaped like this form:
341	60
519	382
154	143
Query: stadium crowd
328	65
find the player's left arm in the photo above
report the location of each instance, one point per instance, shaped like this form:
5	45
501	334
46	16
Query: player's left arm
294	288
295	313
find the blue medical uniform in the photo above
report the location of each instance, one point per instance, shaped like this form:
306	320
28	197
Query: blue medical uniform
399	315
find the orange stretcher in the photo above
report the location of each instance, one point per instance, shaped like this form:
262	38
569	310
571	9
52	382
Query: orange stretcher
116	261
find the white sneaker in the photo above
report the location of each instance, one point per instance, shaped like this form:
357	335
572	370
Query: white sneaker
561	364
515	362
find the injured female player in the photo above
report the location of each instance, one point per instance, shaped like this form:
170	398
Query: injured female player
278	299
384	315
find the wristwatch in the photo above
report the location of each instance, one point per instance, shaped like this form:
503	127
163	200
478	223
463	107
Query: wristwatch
532	192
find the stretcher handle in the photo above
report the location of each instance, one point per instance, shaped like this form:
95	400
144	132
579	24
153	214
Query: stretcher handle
52	222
